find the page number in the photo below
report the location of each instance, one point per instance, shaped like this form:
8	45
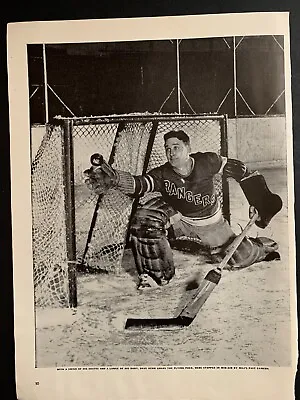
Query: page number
37	383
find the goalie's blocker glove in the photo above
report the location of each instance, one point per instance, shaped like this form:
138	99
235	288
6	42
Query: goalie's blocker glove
256	191
259	196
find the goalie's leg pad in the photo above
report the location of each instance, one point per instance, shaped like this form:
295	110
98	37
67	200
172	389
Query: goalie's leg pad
151	249
254	250
154	257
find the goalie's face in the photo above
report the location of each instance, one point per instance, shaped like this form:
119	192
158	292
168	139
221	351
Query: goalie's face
177	152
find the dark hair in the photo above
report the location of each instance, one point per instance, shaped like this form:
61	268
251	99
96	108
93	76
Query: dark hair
181	135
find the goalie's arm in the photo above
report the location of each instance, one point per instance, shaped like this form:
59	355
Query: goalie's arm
132	185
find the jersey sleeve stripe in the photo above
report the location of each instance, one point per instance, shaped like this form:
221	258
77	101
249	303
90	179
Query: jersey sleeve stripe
150	183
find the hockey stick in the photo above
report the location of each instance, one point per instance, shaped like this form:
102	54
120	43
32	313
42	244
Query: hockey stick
191	309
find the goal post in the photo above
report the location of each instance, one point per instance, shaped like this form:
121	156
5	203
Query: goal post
69	207
93	229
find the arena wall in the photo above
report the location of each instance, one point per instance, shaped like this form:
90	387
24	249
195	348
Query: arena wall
258	141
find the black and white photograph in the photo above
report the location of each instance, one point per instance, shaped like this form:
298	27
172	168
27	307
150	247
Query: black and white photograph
159	226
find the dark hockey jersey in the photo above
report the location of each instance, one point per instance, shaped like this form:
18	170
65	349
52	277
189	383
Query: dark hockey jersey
193	195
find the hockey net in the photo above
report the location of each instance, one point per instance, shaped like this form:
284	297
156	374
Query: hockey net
133	143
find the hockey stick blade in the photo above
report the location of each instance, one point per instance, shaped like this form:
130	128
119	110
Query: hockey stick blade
157	323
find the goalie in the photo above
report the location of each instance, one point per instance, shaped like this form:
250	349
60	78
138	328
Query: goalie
188	206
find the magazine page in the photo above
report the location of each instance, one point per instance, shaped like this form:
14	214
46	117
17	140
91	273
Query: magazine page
153	208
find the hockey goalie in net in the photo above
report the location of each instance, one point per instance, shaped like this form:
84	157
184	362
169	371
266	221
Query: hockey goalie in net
188	206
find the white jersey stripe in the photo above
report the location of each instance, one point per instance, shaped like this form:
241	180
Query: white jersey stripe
150	183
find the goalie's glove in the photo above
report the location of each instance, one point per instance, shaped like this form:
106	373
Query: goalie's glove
97	180
101	177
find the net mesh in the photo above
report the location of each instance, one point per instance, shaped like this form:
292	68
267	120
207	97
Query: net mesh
50	268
